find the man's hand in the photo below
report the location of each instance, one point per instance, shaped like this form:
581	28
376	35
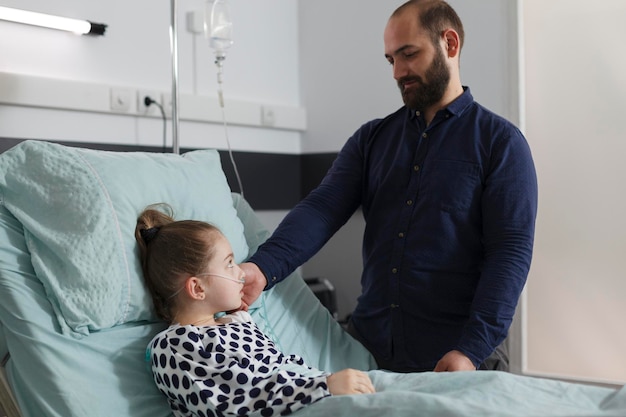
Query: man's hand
454	361
255	282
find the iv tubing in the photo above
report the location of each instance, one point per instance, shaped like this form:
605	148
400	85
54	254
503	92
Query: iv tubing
220	94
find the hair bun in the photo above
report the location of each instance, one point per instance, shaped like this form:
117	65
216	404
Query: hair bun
148	234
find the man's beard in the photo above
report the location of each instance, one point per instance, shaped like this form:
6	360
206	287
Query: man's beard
424	94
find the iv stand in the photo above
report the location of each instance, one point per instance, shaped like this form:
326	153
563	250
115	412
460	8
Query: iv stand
174	50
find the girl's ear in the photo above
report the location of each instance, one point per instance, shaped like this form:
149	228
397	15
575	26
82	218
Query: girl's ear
194	288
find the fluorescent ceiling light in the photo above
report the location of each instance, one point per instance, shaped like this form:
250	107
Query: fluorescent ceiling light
80	27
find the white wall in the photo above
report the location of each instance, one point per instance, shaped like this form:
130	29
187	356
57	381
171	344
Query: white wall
262	66
346	81
575	102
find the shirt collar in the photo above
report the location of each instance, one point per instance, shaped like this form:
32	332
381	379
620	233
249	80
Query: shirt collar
457	107
461	103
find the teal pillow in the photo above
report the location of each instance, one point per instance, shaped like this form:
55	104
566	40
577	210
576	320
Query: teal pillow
78	208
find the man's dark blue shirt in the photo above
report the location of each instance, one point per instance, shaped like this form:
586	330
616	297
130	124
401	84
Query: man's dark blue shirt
450	213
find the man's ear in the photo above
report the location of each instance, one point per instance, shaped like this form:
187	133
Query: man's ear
194	288
452	42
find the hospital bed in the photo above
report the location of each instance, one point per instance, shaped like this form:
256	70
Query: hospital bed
75	318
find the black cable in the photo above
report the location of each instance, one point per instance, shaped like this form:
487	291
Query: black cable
148	101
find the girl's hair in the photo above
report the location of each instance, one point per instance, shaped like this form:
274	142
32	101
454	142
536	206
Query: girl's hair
171	251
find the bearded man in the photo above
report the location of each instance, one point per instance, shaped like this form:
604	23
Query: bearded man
448	190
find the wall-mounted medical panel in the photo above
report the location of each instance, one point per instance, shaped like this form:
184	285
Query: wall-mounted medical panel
50	93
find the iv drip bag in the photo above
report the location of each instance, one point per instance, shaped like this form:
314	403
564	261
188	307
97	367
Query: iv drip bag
218	26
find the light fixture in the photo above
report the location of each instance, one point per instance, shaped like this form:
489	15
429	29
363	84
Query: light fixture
78	26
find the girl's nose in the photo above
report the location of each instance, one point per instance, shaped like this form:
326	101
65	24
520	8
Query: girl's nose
240	272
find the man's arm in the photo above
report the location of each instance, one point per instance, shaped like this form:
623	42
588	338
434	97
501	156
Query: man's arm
313	221
509	208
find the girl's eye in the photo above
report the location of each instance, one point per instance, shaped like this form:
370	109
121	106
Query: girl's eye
231	264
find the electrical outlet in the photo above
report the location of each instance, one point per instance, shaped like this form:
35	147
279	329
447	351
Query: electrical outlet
268	116
120	99
142	108
195	22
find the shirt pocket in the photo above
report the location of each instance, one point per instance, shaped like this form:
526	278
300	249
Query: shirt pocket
456	184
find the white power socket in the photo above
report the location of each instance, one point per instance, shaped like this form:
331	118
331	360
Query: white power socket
142	108
120	99
268	116
195	22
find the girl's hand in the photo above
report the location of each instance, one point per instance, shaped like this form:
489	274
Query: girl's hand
350	381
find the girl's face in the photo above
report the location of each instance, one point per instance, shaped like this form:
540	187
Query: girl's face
224	278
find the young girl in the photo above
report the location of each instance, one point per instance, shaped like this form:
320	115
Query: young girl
207	364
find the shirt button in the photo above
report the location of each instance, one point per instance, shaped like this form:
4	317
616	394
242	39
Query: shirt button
424	135
417	113
409	202
416	168
400	235
394	270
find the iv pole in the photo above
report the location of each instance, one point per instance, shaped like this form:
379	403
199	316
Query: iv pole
174	50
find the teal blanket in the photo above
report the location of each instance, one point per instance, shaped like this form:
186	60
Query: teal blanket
473	394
